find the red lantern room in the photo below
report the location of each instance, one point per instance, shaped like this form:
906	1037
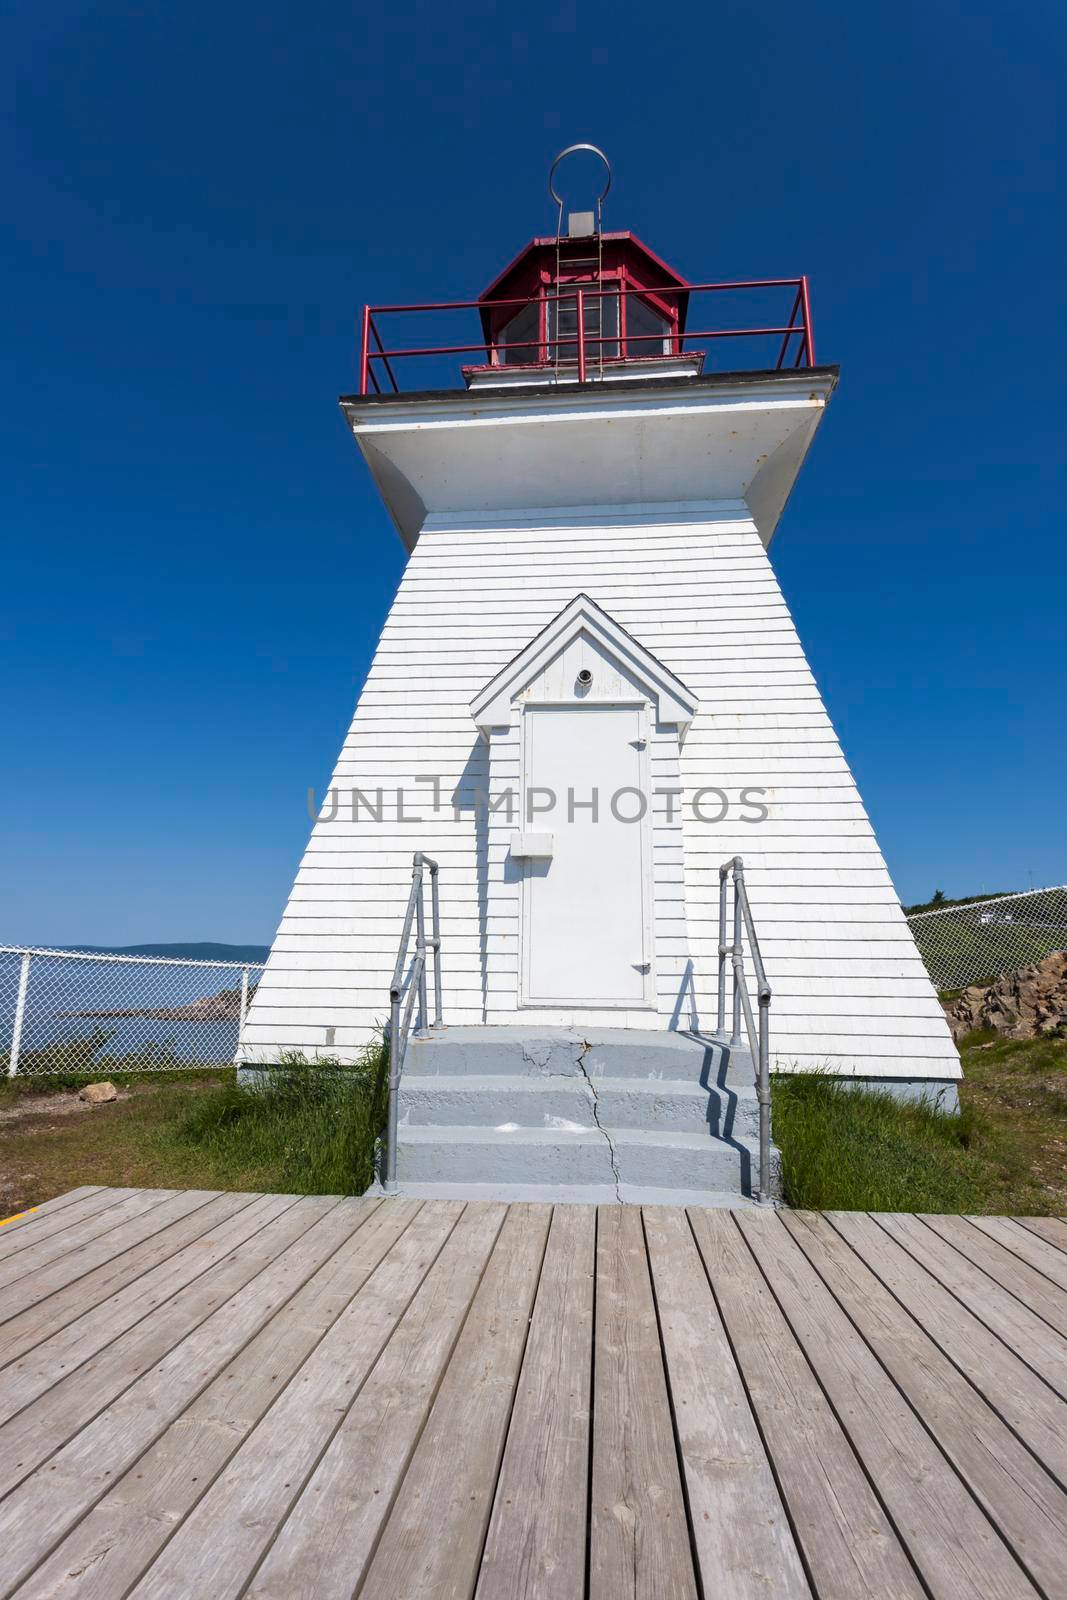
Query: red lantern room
583	305
633	305
629	303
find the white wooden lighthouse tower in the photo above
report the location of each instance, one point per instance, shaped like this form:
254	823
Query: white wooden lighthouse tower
589	694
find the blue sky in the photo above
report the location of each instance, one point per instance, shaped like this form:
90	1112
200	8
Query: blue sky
196	566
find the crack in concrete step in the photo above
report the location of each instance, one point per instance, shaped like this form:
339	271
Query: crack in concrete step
595	1108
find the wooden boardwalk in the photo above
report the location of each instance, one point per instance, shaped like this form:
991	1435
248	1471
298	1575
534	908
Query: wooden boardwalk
213	1395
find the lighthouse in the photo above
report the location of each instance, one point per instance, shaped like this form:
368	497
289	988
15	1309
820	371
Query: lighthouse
588	701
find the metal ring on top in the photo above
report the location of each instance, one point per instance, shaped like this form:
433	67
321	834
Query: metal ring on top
570	150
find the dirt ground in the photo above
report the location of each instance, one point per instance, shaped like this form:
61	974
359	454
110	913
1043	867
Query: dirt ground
50	1141
1019	1087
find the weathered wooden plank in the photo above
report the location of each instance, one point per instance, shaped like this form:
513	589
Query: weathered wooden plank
1025	1402
64	1236
449	1484
13	1228
1036	1251
1010	1271
231	1527
1016	1493
849	1543
39	1322
109	1326
1054	1229
109	1550
71	1401
323	1548
536	1546
744	1544
47	1503
638	1536
951	1541
322	1489
1022	1330
141	1222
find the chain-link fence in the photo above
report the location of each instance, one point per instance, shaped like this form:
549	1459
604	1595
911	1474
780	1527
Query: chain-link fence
82	1012
65	1011
975	943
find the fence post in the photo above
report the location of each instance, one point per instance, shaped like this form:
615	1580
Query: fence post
364	350
244	995
20	1014
809	331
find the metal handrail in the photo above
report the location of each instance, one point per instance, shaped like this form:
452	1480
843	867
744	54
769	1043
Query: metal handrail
581	293
415	982
758	1036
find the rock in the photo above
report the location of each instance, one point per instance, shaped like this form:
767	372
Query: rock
222	1007
1028	1004
97	1094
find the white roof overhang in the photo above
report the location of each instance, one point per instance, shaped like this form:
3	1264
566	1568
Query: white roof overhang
735	439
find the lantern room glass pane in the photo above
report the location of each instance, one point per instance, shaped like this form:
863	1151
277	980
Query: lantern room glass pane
642	320
600	314
518	338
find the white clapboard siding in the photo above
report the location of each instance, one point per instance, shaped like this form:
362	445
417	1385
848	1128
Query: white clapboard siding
697	590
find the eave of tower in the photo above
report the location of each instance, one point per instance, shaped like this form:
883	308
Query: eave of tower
713	439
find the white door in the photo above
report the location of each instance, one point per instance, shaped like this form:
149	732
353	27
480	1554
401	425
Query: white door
586	936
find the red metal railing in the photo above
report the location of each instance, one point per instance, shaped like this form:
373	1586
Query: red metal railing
797	348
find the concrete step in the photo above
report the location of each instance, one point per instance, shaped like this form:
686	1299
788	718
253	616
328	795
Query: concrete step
580	1159
496	1100
591	1194
566	1052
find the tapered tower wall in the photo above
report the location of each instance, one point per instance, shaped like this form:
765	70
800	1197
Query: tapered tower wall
694	585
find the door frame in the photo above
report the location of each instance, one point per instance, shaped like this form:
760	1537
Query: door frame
645	878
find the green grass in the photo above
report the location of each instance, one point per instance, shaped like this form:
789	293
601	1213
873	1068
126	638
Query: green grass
305	1128
311	1128
851	1150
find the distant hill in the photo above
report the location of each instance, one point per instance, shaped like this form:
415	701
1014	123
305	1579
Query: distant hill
205	951
940	903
